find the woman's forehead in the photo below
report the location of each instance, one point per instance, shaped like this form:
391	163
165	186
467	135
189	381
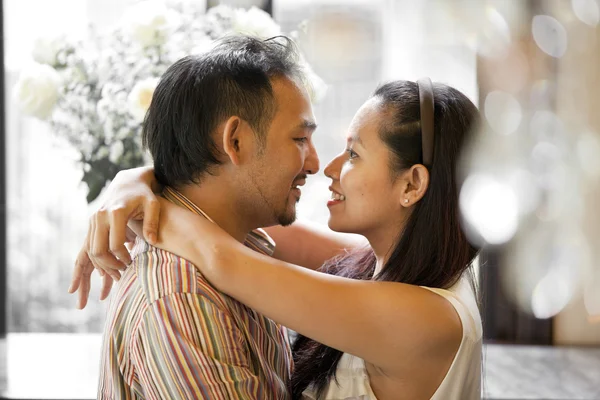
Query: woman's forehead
365	120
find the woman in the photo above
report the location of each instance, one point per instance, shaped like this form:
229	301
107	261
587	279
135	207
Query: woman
397	319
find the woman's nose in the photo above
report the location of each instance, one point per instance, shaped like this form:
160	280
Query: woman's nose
332	170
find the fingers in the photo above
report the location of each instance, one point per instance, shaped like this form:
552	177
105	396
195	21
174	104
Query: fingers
136	226
82	280
84	286
118	234
100	255
151	217
107	283
83	266
82	276
82	262
130	235
130	193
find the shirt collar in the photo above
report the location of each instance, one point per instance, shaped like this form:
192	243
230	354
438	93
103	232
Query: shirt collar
176	197
257	240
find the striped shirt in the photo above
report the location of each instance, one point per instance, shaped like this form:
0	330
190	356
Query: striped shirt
170	335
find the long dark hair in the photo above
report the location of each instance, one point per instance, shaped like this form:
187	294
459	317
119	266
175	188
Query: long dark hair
432	250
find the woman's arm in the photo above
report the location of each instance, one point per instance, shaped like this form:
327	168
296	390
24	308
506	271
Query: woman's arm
131	195
381	322
309	244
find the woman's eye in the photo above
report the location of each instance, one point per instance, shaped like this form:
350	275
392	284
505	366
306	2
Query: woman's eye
301	140
351	154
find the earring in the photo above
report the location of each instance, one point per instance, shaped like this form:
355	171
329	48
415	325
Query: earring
405	200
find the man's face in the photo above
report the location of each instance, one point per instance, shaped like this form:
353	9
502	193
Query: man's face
287	157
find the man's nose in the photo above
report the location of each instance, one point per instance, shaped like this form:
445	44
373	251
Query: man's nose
311	164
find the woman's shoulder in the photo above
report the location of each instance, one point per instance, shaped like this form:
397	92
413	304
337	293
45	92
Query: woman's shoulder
462	296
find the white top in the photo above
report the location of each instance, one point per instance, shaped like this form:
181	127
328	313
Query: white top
463	380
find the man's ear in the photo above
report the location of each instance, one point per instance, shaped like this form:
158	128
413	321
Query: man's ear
238	139
415	182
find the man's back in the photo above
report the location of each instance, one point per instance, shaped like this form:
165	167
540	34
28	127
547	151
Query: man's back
169	335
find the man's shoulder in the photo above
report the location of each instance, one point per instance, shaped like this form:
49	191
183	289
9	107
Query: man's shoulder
161	274
260	241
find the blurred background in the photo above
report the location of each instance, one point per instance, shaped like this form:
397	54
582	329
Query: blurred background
530	181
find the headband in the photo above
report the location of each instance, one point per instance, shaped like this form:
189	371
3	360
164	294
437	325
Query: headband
427	113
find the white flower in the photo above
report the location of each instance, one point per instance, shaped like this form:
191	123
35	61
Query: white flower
37	90
102	108
116	151
45	49
150	22
95	92
147	158
222	11
202	45
87	145
140	97
315	85
101	152
109	129
123	133
255	22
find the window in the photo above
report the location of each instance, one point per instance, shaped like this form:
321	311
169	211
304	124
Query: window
46	208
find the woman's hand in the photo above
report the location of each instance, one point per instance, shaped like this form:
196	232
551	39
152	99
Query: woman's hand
195	239
130	196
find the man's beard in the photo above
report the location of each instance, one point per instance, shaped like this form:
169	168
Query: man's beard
283	217
287	218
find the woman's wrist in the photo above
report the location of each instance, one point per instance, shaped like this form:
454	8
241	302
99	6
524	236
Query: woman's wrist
218	261
148	177
144	175
203	243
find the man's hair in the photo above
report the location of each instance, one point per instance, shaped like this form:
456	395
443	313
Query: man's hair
197	93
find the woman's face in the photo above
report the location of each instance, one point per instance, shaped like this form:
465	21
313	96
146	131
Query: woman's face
365	197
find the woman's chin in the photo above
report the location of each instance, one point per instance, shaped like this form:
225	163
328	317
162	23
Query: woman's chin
331	224
337	226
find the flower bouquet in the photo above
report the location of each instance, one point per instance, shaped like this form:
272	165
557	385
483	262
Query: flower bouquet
95	92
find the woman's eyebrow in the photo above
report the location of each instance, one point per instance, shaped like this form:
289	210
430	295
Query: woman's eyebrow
355	139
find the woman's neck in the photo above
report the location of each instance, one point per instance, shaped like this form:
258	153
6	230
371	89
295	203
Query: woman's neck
382	242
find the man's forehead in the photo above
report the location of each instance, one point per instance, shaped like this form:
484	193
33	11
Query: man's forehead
293	106
286	88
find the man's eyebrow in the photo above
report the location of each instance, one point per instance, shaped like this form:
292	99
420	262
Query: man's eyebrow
307	124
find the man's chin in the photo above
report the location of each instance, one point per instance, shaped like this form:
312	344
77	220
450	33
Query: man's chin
287	219
288	216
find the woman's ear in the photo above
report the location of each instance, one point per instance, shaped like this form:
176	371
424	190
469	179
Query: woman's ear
415	182
238	139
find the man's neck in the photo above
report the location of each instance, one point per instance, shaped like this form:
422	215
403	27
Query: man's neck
218	204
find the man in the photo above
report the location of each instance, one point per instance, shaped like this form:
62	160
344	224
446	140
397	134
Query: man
216	127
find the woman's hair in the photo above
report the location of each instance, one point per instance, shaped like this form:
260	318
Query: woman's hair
432	250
